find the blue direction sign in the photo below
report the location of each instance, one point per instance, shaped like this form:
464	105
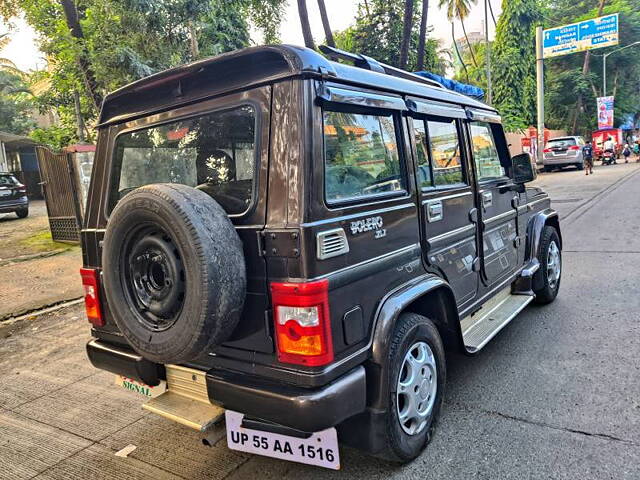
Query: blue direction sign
578	37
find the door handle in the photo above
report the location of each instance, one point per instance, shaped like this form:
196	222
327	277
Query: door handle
434	211
487	199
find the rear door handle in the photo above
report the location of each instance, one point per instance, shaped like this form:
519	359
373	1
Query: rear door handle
487	199
434	211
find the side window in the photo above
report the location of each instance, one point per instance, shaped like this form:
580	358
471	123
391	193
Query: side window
422	152
361	155
438	153
485	153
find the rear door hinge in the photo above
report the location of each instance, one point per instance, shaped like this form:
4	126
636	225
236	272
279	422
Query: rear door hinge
280	243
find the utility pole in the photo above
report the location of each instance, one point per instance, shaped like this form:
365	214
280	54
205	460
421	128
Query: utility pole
540	94
488	51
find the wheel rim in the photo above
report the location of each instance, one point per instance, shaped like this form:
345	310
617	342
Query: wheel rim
554	265
153	277
416	388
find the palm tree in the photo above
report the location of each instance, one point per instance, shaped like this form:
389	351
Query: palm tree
422	40
406	33
328	34
304	23
459	10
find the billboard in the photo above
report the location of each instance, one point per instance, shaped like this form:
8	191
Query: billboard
578	37
605	112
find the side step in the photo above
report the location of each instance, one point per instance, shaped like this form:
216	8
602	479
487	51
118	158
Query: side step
483	325
186	400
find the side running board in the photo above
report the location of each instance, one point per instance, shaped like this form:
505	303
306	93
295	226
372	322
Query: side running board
483	325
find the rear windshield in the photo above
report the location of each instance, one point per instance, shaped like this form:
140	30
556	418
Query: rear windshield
7	179
562	142
214	153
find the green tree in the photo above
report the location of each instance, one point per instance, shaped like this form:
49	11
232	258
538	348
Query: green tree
377	33
15	104
514	69
571	90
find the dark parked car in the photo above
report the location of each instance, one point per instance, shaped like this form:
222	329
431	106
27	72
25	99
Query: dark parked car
292	243
13	196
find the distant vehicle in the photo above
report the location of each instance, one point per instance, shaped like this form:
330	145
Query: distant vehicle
13	196
563	151
600	136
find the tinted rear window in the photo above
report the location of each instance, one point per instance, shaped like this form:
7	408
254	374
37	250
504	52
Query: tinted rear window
7	180
214	153
562	142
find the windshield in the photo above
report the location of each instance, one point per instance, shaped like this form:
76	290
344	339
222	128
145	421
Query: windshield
214	153
561	143
7	180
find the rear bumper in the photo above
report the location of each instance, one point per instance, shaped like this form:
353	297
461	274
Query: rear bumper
562	160
308	410
7	206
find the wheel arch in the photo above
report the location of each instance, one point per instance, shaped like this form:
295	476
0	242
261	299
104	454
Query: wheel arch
428	295
536	225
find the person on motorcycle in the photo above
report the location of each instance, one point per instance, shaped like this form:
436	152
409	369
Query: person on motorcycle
610	147
587	154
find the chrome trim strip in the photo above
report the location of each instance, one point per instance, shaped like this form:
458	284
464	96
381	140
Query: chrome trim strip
362	213
502	216
446	197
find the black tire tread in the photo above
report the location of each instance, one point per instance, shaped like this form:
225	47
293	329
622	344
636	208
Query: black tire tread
545	294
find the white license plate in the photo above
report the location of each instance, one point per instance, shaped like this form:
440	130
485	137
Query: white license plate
138	387
320	449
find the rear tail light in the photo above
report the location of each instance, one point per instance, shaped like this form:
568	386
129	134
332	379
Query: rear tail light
302	322
21	189
92	295
574	147
547	150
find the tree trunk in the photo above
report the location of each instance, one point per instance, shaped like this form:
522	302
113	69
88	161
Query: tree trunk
455	46
328	34
464	30
79	119
304	23
585	71
406	33
193	41
73	22
422	40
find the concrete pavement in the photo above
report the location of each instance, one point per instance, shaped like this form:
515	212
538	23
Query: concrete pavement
555	395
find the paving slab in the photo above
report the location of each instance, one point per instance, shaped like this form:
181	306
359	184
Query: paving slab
28	447
92	408
178	449
99	462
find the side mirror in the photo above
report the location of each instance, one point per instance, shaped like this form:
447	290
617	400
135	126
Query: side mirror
522	168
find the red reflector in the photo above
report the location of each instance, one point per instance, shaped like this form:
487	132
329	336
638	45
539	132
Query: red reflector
92	296
547	150
302	322
574	147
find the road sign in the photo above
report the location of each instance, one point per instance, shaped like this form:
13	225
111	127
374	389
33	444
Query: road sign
578	37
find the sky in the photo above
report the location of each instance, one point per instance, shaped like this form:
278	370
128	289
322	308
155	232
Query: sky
23	50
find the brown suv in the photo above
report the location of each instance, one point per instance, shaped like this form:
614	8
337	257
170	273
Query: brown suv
292	242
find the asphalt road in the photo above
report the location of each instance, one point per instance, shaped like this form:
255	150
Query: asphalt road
555	395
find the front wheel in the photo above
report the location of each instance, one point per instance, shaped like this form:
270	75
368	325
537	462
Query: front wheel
417	376
547	280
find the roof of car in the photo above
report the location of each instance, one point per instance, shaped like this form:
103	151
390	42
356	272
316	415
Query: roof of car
254	66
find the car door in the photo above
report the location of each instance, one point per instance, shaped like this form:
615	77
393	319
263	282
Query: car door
448	213
498	202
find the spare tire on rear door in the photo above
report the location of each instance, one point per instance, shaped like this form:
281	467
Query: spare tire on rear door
174	272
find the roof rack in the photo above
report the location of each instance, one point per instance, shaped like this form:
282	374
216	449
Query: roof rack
368	63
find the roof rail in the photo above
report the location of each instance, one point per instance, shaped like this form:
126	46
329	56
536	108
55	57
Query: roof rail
363	61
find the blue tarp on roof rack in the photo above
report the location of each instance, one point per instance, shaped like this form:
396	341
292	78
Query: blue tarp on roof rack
469	90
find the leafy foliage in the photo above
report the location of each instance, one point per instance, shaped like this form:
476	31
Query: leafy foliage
514	67
566	80
378	34
15	104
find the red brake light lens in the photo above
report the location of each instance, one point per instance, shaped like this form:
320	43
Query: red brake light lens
302	322
574	147
547	150
92	295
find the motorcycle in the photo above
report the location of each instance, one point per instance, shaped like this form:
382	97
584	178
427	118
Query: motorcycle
608	157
